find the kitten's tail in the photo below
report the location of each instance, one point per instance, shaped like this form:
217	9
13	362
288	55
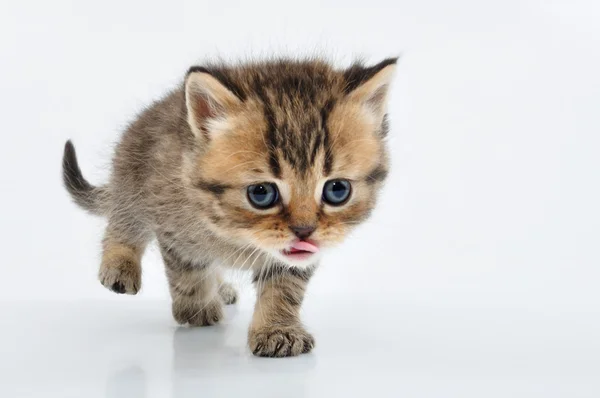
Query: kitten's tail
84	194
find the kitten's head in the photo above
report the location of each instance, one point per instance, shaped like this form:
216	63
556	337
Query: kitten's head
290	155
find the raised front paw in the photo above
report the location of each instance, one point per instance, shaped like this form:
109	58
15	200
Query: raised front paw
122	275
278	341
196	313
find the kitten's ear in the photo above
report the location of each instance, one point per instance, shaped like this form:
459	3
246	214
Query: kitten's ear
370	85
207	100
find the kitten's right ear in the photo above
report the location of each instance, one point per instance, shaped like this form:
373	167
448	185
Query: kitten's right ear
208	101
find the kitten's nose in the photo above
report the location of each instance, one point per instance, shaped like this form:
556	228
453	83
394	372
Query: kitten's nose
303	231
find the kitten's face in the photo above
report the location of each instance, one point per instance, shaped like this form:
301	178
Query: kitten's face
292	174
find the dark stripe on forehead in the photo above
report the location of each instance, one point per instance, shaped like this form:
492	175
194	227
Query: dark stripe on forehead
213	187
316	144
296	121
323	138
271	135
328	162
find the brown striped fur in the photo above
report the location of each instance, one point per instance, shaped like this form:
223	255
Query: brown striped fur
182	168
276	330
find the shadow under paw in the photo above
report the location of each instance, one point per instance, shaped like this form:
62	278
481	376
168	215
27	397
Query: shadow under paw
280	342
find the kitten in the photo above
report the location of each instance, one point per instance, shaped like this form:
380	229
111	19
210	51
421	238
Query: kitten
258	166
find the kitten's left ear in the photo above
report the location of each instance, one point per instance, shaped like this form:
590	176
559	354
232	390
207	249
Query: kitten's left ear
370	85
207	100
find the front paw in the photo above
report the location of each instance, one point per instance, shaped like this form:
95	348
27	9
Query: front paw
122	275
196	313
278	341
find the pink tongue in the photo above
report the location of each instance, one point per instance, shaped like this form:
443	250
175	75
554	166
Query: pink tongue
305	246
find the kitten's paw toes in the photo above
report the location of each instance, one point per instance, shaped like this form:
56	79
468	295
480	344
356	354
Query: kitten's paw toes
280	342
124	277
228	293
198	314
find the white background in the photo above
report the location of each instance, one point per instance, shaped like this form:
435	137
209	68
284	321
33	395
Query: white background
477	276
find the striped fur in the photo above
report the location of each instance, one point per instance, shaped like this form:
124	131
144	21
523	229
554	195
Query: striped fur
182	168
276	330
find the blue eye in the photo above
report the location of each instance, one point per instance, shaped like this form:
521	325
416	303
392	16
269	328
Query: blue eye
263	196
336	192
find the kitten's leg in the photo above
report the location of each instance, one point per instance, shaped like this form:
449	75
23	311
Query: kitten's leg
194	290
226	290
276	330
122	249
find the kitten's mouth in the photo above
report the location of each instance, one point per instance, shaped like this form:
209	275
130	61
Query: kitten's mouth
301	250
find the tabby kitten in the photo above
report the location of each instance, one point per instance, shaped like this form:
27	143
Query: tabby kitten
257	166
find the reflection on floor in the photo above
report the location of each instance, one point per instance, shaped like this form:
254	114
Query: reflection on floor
132	348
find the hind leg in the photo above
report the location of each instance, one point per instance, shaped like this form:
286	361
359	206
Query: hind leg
122	249
226	290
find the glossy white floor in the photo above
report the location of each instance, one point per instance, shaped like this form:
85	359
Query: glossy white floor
476	277
132	348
